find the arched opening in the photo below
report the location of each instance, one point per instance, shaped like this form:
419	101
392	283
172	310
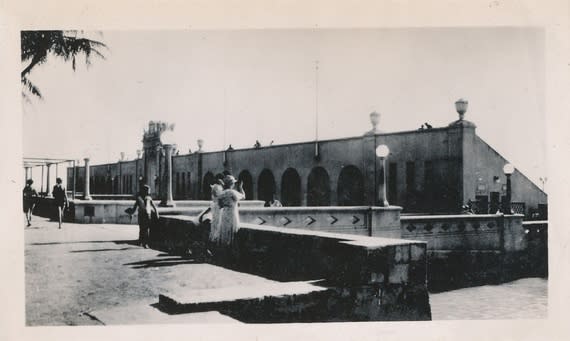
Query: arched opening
247	180
350	187
318	188
291	188
206	190
266	186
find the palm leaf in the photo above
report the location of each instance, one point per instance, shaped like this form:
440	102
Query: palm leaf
37	45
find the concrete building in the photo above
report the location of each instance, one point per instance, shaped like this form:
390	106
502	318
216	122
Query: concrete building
430	170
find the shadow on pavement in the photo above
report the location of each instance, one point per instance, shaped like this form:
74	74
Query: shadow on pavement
99	250
129	242
155	263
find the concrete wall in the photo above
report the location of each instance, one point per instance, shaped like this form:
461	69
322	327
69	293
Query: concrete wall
334	156
364	221
431	171
468	250
103	212
111	211
368	279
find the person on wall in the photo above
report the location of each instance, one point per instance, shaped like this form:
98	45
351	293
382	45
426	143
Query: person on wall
274	202
30	198
59	199
229	217
215	228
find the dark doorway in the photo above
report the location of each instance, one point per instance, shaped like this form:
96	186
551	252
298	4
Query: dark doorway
495	202
247	180
411	191
291	188
318	188
266	186
206	190
482	204
350	187
427	195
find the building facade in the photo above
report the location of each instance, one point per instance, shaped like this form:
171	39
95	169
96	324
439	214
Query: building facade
432	170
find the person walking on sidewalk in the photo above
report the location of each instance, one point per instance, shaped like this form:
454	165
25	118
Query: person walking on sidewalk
60	199
30	198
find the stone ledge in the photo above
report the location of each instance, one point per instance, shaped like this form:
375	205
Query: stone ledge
145	313
232	298
353	268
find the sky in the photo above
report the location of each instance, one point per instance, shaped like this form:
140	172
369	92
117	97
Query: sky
239	86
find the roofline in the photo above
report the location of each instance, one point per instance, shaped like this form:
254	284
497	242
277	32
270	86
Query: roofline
516	169
404	132
329	140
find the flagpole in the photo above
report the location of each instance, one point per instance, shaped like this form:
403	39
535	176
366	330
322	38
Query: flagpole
316	109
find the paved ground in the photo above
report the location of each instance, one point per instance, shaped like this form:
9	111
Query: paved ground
522	299
85	268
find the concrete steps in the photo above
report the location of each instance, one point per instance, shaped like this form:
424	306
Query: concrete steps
268	303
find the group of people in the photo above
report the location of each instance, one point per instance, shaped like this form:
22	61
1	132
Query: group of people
226	192
30	199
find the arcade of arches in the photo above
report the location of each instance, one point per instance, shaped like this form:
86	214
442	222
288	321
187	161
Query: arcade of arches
350	187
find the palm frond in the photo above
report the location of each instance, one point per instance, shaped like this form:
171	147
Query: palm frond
31	87
37	45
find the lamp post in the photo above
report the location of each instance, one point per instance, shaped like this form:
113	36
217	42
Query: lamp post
461	107
508	169
168	146
382	152
200	145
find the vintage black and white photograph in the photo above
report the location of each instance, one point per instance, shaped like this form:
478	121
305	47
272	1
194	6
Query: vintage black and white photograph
261	176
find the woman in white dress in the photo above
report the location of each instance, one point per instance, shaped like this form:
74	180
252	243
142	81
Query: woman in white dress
215	209
229	218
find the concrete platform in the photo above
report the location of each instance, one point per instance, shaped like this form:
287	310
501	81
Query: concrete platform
228	297
146	313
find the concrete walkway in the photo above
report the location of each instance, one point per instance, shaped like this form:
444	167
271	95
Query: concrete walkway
81	269
525	298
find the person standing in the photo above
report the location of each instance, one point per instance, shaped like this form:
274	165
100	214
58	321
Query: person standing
30	197
217	189
59	199
229	217
147	209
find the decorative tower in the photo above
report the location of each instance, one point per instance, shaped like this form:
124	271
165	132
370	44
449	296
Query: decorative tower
153	158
